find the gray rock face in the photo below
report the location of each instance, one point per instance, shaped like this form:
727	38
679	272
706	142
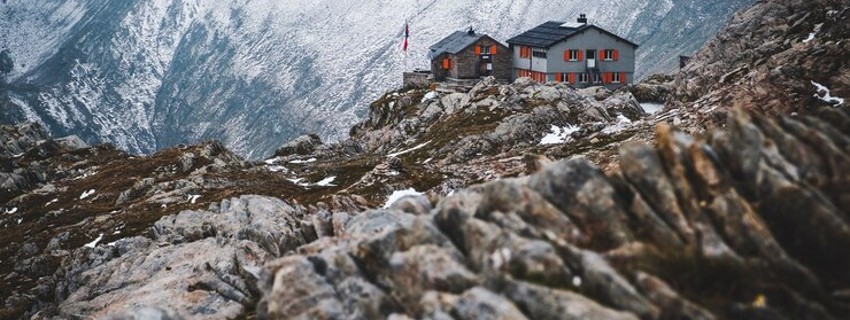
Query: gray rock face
300	146
773	58
689	228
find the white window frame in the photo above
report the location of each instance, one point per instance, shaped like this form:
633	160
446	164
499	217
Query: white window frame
583	77
616	78
574	54
597	78
608	55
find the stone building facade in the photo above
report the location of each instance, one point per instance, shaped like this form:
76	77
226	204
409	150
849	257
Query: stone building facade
468	55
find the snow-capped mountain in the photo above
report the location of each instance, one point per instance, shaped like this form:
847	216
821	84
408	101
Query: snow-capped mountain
147	74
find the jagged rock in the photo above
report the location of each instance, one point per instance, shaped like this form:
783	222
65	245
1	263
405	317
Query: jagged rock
657	88
302	145
781	49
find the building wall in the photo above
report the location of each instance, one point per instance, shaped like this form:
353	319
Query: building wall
437	70
595	40
532	63
469	65
588	39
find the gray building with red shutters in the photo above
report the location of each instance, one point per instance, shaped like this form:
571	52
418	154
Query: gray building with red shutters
577	53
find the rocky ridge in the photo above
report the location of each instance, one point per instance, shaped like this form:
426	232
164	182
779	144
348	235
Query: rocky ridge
777	57
748	222
62	196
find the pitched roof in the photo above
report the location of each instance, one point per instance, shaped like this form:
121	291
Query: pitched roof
454	43
552	32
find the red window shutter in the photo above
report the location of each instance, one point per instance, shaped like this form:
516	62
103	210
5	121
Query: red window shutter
567	55
572	78
493	50
616	55
447	63
558	78
478	50
600	55
623	77
581	55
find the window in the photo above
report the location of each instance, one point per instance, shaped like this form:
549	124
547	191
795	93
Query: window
447	63
582	77
482	50
573	55
610	55
616	77
524	52
539	54
597	78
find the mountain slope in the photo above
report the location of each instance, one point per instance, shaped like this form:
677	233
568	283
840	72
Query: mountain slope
147	74
786	57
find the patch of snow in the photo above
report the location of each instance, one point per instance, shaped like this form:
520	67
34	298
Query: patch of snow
272	160
327	182
192	198
651	107
113	243
559	134
87	194
393	173
278	169
577	281
51	202
427	160
430	96
814	33
12	211
827	97
303	161
297	181
398	194
396	154
20	220
94	243
622	123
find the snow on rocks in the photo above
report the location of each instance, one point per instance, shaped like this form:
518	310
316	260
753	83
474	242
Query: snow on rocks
430	96
823	93
95	242
327	182
12	210
311	160
398	194
51	202
814	33
396	154
87	194
651	107
193	198
559	134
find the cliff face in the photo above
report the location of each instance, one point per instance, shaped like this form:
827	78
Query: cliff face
777	57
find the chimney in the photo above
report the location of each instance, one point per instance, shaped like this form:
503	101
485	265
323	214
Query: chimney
582	18
471	31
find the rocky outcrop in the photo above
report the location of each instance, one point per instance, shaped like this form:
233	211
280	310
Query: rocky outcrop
747	222
302	145
778	57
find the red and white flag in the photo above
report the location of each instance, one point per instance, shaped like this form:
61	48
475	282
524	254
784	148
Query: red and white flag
406	36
